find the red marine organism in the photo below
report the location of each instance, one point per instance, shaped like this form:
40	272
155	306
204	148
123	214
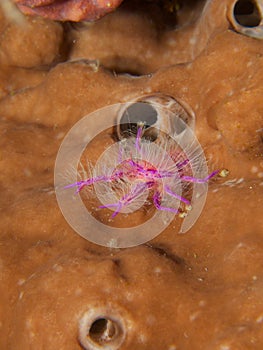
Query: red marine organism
68	10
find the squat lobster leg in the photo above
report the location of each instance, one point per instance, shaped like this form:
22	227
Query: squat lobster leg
118	205
156	202
199	181
173	194
126	199
88	182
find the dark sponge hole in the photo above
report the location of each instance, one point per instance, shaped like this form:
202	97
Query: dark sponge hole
246	13
102	330
136	113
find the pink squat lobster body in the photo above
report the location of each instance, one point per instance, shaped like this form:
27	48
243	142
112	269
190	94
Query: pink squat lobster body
143	176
